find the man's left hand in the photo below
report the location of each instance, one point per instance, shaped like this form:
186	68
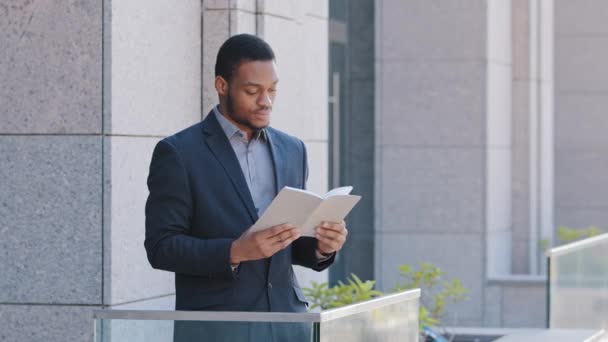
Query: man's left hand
331	237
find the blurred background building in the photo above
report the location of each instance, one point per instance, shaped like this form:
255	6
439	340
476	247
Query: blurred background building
473	129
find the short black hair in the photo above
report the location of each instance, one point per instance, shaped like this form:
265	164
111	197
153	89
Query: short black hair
238	49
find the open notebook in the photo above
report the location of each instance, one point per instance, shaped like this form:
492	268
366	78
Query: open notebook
307	210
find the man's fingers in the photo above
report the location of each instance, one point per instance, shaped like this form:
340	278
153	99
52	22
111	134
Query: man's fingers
283	243
328	245
270	232
337	227
330	234
330	241
283	240
293	233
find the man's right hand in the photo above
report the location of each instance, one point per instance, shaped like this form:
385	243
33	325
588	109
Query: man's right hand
262	244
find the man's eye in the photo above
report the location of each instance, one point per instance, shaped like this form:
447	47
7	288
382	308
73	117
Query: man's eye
272	90
251	92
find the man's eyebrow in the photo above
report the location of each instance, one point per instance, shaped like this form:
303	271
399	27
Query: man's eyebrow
249	83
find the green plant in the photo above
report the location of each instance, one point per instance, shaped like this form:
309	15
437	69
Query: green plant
354	291
437	293
567	235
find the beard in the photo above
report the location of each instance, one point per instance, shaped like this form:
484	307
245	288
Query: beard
234	116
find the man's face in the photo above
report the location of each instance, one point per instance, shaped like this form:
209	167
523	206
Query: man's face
250	94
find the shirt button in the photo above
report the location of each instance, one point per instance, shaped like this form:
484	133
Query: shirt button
269	285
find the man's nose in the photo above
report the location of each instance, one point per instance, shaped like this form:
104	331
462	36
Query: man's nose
265	99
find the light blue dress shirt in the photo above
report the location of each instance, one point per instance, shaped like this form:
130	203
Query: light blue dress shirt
255	159
256	163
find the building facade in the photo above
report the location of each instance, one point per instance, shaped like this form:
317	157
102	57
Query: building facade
471	128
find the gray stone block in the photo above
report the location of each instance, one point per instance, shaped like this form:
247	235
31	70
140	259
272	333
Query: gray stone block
156	67
520	160
492	316
158	303
49	323
498	105
581	121
525	306
580	64
431	190
458	255
581	17
520	192
420	29
520	116
521	217
50	65
247	5
580	178
520	254
438	103
216	29
521	38
135	279
50	219
498	189
581	217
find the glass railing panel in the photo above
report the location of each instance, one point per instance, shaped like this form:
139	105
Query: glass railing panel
389	318
194	331
397	320
578	284
178	326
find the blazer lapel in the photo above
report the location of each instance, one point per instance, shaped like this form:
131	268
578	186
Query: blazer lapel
222	150
278	159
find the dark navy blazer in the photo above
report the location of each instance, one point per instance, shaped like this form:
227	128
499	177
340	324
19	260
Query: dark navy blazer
199	203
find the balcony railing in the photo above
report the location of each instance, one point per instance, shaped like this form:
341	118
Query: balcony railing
388	318
578	285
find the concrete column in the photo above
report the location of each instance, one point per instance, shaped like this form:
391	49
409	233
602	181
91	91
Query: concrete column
498	139
532	134
431	78
581	96
443	97
152	88
520	134
51	178
87	90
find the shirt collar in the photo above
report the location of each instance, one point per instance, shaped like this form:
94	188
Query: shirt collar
231	129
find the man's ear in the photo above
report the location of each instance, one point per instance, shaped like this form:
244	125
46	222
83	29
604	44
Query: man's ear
221	86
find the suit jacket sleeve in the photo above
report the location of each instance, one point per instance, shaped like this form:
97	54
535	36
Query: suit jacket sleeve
303	250
168	214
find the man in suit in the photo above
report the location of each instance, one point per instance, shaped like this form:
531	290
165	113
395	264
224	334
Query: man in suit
210	182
